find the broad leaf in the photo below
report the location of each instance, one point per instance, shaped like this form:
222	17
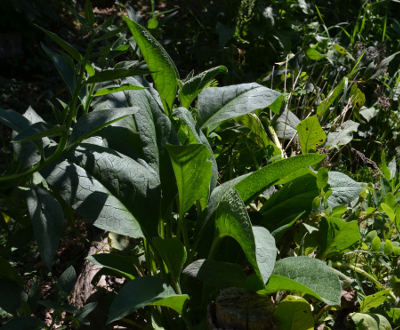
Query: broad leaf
370	321
232	220
311	135
47	221
286	125
312	273
8	272
217	104
294	313
176	302
218	274
116	88
24	323
193	86
374	300
109	75
164	72
114	262
344	189
173	253
193	174
314	55
109	189
337	236
138	293
65	284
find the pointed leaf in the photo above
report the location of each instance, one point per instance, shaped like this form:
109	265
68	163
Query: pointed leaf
344	189
370	321
332	96
311	135
114	262
337	236
176	302
390	213
24	323
193	86
311	273
47	220
115	89
89	13
218	274
65	284
294	313
286	125
314	55
374	300
9	273
173	253
266	251
217	104
164	72
342	135
193	174
138	293
38	131
109	75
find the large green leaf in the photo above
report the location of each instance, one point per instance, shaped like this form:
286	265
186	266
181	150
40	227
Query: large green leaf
232	220
370	321
192	87
8	272
311	135
311	273
164	72
173	253
294	313
218	274
217	104
336	236
344	189
138	293
193	174
109	189
293	198
115	262
374	300
342	135
24	323
47	221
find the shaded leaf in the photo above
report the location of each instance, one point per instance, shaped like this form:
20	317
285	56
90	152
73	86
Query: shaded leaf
114	262
294	313
8	272
24	323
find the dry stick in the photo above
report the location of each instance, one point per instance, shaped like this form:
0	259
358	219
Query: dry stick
272	83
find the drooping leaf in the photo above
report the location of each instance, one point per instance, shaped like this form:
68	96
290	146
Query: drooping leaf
294	313
47	221
370	321
114	262
173	253
312	273
138	293
342	135
192	87
344	189
337	236
193	174
24	323
311	135
374	300
164	72
217	104
232	220
218	274
8	272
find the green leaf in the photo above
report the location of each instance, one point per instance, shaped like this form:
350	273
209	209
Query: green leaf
286	125
164	72
11	296
8	272
218	274
217	104
310	273
33	295
232	220
37	131
90	181
342	135
24	323
332	96
192	87
344	189
65	284
89	13
358	97
141	292
337	236
177	303
117	88
376	244
115	262
311	135
374	300
322	178
390	213
193	174
314	55
109	75
383	65
284	225
370	321
388	248
173	253
294	313
47	221
94	121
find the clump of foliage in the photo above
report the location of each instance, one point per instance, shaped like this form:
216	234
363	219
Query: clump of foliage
221	187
